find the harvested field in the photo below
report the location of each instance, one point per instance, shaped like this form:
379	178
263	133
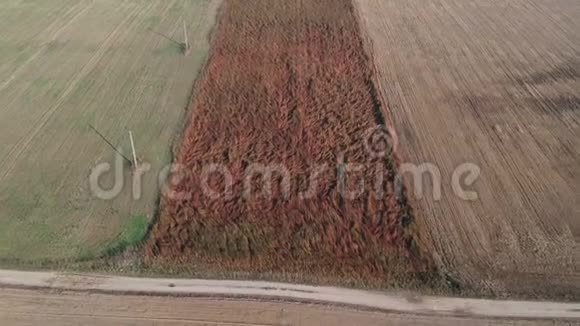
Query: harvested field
494	83
66	65
45	307
288	85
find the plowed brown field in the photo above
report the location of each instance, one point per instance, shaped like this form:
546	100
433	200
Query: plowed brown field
288	84
45	307
496	84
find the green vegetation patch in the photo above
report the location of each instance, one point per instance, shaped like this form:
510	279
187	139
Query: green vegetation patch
170	49
133	232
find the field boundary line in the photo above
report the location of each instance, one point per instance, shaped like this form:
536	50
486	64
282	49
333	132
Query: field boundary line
374	300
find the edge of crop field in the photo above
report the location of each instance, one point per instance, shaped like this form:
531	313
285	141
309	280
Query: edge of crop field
188	113
418	229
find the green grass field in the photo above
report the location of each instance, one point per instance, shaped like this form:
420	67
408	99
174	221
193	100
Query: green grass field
66	65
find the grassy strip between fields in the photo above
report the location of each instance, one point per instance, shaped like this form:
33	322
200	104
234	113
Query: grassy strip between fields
132	234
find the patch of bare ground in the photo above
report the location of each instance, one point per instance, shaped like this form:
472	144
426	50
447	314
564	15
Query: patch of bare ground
289	85
28	307
493	83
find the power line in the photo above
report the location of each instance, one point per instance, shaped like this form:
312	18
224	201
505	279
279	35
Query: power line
109	143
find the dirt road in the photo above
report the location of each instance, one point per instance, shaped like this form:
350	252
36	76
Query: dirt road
71	296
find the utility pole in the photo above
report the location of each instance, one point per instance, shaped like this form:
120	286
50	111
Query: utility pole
133	149
186	43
